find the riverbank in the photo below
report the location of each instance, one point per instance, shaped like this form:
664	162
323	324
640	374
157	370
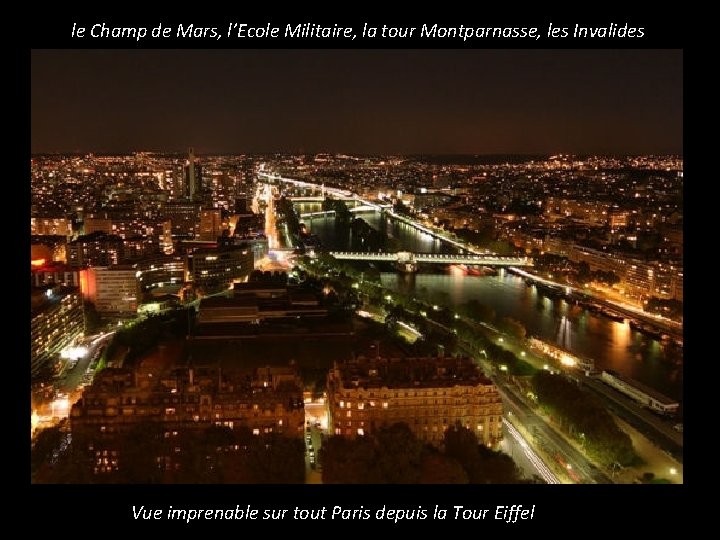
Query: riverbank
606	306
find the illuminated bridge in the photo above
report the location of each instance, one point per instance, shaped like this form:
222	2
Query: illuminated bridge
336	193
326	213
377	205
318	198
408	261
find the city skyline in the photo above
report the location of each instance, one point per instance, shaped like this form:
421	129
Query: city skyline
358	102
357	266
318	304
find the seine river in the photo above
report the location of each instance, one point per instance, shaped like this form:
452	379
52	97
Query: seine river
612	345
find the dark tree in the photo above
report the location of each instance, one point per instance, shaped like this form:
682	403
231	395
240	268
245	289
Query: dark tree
399	454
439	469
347	461
46	445
582	416
583	272
482	466
93	323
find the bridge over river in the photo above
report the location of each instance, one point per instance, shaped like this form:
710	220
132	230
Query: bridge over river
408	261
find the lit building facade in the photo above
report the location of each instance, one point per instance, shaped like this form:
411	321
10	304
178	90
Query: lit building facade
661	280
218	268
139	247
172	181
590	212
55	274
53	226
113	289
96	249
56	320
428	394
184	219
48	248
263	400
211	225
152	234
97	224
161	271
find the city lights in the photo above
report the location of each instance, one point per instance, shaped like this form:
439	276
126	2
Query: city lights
289	302
74	353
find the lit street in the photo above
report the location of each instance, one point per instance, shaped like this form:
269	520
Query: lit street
546	438
69	387
542	435
74	377
315	426
659	430
531	465
313	470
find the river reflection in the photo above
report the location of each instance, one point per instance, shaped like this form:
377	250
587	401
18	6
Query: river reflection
613	345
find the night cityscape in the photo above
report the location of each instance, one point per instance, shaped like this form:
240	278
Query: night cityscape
340	267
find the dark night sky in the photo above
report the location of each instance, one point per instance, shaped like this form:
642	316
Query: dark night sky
358	101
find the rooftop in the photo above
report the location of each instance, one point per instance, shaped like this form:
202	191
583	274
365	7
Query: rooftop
411	372
44	298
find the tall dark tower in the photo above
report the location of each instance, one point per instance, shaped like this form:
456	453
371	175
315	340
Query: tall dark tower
191	173
193	177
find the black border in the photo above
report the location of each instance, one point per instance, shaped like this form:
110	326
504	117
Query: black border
661	30
566	510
